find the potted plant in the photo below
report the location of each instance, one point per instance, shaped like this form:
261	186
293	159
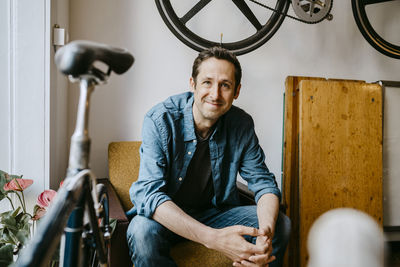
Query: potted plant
17	225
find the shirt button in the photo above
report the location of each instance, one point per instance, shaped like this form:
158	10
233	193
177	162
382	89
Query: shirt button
190	153
180	179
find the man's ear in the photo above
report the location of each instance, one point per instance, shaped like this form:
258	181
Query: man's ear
192	84
237	91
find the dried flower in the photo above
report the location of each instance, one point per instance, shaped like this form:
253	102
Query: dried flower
38	212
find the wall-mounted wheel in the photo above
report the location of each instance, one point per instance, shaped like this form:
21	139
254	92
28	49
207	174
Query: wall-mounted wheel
184	17
363	11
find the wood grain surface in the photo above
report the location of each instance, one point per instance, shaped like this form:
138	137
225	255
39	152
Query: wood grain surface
340	151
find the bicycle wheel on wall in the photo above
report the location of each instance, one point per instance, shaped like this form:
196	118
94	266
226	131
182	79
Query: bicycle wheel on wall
235	25
379	21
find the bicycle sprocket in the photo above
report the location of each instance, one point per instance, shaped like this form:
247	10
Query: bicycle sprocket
312	11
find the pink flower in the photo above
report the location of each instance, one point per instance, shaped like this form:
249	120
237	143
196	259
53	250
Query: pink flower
43	201
17	184
45	198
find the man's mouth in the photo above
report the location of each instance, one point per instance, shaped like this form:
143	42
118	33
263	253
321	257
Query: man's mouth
214	103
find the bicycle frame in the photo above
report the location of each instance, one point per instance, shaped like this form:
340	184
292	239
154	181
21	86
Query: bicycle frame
72	200
77	200
78	161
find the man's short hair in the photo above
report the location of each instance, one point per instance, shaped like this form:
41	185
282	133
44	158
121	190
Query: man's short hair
219	53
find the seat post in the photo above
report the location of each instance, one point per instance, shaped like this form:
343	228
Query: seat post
80	140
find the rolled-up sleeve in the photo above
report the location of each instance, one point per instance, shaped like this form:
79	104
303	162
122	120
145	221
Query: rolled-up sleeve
149	191
253	168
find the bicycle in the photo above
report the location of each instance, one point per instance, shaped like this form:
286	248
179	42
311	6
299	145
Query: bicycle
182	21
80	209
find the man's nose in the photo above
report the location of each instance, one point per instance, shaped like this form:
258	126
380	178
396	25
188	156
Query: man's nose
215	91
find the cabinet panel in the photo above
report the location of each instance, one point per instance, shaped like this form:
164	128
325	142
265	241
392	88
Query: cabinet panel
337	158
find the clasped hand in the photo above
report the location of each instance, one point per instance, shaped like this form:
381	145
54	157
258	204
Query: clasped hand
230	241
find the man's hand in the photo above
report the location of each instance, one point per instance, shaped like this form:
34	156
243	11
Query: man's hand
230	241
264	239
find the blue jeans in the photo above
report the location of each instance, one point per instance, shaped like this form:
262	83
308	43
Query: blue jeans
150	242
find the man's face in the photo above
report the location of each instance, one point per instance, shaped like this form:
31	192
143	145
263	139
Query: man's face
214	90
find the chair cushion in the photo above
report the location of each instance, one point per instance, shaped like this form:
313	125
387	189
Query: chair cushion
123	167
189	254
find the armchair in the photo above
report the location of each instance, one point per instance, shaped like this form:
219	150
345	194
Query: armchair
123	163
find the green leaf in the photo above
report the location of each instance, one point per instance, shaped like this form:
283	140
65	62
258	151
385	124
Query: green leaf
9	222
23	236
5	214
24	220
6	254
3	181
6	238
13	237
5	178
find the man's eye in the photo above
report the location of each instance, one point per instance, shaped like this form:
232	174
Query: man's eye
207	82
226	85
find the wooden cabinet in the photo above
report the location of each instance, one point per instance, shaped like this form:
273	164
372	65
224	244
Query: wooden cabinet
332	153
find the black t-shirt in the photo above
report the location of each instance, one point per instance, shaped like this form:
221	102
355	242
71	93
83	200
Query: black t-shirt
197	189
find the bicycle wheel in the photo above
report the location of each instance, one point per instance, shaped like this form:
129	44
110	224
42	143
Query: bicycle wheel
370	33
104	227
257	24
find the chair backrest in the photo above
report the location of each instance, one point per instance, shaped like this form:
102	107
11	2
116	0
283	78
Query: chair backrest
123	168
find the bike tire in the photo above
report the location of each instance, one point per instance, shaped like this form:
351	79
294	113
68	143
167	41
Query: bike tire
369	33
104	225
240	47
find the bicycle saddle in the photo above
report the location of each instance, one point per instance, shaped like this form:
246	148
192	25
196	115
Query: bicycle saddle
77	57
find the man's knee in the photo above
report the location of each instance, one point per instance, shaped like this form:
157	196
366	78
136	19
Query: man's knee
149	242
143	234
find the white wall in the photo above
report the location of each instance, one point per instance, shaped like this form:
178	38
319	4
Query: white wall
333	49
58	103
33	109
24	82
5	85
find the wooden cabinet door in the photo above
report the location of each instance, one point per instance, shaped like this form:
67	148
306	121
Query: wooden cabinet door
337	156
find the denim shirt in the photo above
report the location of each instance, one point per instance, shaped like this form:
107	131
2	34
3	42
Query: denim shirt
169	142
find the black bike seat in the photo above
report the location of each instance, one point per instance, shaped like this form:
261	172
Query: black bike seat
77	57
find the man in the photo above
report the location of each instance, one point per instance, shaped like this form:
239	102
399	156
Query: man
194	145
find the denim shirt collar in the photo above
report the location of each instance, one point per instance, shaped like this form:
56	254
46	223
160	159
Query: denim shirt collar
188	133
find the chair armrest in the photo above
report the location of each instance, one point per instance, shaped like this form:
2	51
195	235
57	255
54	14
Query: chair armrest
245	195
119	251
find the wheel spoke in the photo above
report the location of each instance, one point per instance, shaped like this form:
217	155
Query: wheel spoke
312	9
194	10
371	2
244	8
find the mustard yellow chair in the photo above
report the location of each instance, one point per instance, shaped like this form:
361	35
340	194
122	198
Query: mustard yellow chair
123	164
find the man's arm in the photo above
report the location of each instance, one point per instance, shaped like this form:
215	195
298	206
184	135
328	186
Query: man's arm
228	240
267	212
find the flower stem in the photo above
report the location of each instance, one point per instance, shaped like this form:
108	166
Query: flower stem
20	201
23	198
9	199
